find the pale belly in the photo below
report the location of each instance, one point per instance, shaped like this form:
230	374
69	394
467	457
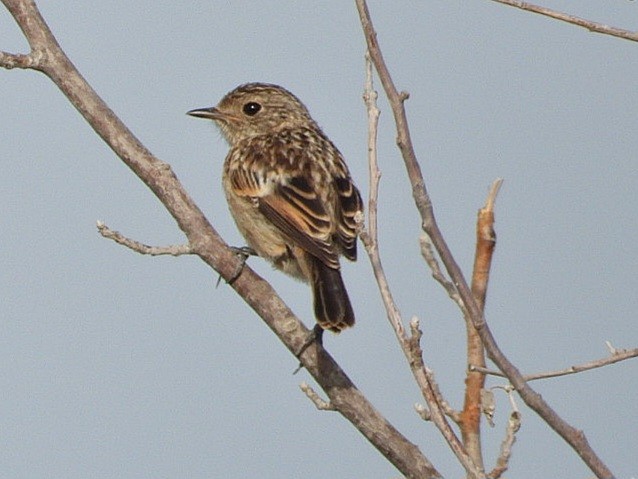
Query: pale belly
265	238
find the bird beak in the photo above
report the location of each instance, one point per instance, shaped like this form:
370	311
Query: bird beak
211	113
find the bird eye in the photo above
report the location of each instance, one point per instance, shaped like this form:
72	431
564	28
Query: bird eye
251	108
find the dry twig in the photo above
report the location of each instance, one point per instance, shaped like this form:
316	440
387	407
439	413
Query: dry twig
513	425
581	22
575	438
47	56
119	238
321	404
409	344
616	355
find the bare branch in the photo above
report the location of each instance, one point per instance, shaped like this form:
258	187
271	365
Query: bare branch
575	438
513	425
410	345
617	355
314	397
427	251
581	22
17	60
448	410
474	381
173	250
370	100
209	246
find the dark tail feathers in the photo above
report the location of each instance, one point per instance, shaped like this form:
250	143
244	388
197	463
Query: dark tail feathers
333	310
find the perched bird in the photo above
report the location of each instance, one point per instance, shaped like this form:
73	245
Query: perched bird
290	192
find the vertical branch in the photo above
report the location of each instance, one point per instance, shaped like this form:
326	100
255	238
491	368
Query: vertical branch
574	437
474	381
370	99
409	344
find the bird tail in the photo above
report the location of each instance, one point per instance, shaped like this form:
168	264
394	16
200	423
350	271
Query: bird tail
333	310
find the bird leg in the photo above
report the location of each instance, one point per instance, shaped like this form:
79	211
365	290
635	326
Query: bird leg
243	252
316	335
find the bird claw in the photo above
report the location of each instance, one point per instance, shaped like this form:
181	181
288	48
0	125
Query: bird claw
243	252
316	335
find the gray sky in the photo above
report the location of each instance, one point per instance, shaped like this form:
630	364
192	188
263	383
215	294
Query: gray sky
118	365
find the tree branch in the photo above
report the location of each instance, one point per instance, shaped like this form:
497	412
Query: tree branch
119	238
315	398
410	345
427	251
581	22
474	381
617	355
205	242
575	438
513	425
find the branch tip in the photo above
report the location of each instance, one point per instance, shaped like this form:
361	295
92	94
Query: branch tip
119	238
319	403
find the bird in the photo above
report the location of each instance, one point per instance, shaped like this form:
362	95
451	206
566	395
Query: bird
290	193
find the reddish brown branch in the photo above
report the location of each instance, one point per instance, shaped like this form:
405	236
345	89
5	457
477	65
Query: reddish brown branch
575	438
474	381
581	22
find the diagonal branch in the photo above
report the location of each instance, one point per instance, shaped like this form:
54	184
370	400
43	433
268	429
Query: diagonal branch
209	246
575	438
565	17
409	344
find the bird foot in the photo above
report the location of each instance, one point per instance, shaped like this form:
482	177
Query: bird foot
316	335
243	252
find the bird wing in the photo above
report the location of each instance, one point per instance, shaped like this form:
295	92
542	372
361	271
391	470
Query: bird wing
291	203
349	205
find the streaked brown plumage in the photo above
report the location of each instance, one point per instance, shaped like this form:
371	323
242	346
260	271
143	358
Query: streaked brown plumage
289	191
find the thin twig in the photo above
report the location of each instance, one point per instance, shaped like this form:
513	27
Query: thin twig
427	251
409	344
513	425
321	404
370	99
617	356
173	250
581	22
448	410
210	247
574	437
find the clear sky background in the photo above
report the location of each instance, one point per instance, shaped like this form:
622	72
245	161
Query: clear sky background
114	364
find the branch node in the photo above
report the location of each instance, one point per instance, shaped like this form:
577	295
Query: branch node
488	405
423	411
414	342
